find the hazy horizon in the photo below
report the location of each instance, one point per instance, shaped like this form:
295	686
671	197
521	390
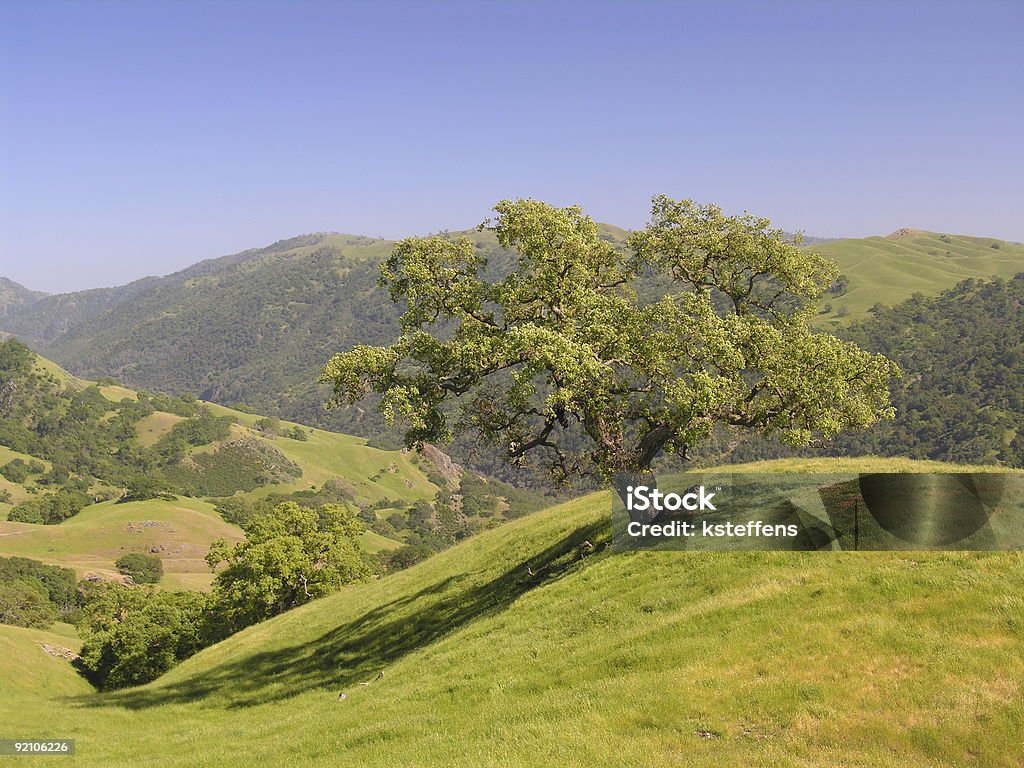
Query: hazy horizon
140	139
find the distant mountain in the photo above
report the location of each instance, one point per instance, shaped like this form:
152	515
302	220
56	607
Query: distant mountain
256	327
47	318
14	298
253	328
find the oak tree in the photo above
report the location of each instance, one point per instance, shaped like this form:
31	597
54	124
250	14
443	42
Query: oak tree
599	358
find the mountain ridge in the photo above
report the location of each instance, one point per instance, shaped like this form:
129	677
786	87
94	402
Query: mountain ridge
256	327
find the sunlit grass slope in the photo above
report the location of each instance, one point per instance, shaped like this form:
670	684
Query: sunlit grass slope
28	671
888	270
90	542
858	464
522	647
373	474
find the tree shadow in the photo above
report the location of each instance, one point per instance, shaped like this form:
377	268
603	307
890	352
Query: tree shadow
356	651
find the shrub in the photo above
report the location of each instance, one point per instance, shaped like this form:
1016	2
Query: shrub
50	509
133	636
143	487
58	584
234	509
142	568
241	465
270	426
405	557
16	471
24	604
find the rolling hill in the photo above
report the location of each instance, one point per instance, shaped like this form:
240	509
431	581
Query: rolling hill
518	648
256	327
328	467
888	270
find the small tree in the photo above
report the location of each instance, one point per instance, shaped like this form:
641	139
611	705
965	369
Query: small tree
133	635
142	568
288	558
561	358
23	603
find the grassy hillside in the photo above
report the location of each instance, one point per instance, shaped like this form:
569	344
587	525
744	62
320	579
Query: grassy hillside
27	671
514	649
256	461
180	531
887	270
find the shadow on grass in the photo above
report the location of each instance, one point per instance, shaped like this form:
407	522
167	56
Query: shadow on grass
356	651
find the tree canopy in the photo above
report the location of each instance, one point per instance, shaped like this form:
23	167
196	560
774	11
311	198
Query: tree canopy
288	558
562	358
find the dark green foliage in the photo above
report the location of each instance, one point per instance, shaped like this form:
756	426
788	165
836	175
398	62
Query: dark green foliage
962	399
839	286
141	567
23	603
184	405
241	465
235	510
270	426
81	433
287	558
133	636
5	496
143	487
58	584
962	395
50	509
15	470
405	556
238	510
15	361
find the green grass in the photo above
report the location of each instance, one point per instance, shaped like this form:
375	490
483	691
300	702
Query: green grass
151	428
511	649
93	539
326	456
859	464
374	542
888	270
28	672
116	394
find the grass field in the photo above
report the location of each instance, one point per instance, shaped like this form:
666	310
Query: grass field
513	649
27	671
93	539
153	427
888	270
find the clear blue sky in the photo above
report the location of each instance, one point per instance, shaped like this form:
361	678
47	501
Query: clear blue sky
139	137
